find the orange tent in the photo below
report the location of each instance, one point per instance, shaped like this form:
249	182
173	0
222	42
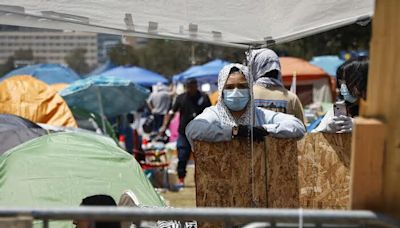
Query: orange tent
34	100
313	83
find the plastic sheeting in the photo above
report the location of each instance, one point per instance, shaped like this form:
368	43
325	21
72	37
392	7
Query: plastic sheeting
212	21
32	99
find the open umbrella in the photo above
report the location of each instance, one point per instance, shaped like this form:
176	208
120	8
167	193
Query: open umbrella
49	73
15	130
136	75
60	169
108	96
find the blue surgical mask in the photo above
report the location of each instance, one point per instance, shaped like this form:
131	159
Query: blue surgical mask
346	94
236	99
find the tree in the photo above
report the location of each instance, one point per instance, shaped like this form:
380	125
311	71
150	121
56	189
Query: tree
76	61
21	56
122	54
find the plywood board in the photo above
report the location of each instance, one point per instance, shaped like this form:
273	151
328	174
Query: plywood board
225	172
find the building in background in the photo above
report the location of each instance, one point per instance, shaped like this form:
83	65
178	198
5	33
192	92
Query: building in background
48	46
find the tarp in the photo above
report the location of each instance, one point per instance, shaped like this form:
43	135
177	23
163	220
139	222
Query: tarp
212	21
313	83
49	73
106	95
60	169
32	99
15	130
136	75
329	63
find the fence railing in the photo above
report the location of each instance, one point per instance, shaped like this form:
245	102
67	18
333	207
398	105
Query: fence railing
228	216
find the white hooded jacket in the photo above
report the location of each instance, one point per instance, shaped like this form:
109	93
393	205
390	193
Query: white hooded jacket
216	122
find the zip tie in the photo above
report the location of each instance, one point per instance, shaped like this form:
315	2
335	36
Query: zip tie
300	217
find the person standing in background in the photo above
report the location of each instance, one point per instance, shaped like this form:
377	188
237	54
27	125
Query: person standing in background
269	92
189	104
159	103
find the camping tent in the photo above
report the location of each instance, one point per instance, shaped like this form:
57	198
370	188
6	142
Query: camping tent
15	130
207	72
329	63
313	83
211	21
48	73
60	169
32	99
136	75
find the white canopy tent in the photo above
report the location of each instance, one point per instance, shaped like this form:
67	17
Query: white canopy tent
231	23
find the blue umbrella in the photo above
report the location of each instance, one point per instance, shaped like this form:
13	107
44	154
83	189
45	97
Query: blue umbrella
101	69
48	73
136	75
329	63
106	95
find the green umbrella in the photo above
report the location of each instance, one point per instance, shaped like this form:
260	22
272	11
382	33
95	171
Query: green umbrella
61	169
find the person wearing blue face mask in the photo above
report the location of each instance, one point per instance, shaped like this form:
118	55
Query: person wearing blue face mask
352	79
231	117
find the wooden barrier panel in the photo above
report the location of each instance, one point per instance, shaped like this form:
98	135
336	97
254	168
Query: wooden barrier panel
311	173
223	174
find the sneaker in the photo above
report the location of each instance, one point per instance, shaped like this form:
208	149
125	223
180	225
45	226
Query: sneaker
180	185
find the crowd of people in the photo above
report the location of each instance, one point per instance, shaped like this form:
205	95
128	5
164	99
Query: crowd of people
252	100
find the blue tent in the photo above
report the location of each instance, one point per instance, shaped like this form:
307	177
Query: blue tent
48	73
329	63
181	77
101	69
206	72
136	75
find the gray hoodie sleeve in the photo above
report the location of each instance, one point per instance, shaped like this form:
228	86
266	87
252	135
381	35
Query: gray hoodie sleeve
208	127
280	125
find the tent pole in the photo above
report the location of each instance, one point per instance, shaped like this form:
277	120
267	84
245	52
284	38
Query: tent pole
101	110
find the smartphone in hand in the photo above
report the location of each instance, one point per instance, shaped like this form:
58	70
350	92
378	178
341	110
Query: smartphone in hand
339	109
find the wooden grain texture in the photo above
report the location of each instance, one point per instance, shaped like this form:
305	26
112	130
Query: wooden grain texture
384	96
367	164
311	173
224	177
282	173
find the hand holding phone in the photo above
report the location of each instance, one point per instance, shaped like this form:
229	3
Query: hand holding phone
340	109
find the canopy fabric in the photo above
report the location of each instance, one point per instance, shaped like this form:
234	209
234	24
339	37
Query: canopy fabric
212	21
60	169
136	75
15	130
206	72
48	73
32	99
101	69
106	95
329	63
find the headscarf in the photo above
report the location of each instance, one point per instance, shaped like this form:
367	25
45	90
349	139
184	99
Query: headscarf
262	61
223	110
